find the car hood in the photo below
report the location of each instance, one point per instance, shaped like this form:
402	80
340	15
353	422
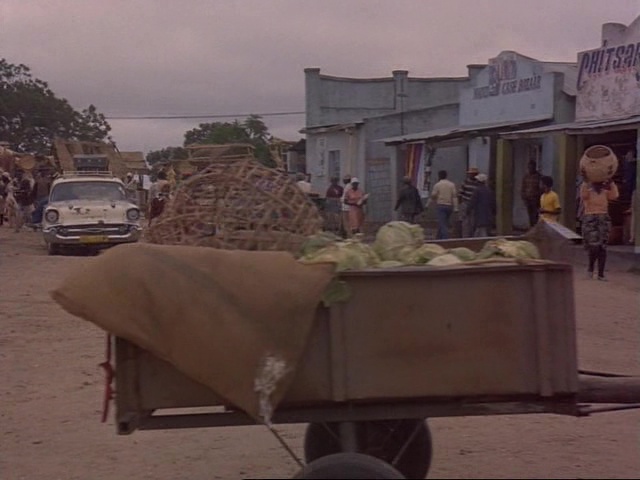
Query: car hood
87	211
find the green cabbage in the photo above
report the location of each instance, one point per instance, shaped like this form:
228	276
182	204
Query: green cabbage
502	247
348	255
390	264
393	237
317	242
464	254
445	260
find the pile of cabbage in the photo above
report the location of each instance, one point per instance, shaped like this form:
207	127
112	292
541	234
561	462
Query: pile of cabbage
401	244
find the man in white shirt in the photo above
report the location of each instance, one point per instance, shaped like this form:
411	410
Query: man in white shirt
345	208
302	183
445	196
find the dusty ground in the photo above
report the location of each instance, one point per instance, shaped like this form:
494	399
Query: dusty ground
52	389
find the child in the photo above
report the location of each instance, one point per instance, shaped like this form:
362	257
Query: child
549	201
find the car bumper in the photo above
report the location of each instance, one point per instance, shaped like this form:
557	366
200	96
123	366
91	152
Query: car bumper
52	236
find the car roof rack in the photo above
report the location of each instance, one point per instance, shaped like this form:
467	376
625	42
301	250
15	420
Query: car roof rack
86	173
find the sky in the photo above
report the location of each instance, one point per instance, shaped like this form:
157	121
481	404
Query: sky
237	57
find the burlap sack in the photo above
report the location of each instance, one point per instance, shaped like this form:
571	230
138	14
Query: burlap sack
235	321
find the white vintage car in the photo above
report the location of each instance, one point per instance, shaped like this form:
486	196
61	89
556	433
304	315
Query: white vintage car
90	210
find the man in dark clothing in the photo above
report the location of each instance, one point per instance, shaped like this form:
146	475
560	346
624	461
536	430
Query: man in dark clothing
409	201
466	192
41	194
530	192
333	206
482	207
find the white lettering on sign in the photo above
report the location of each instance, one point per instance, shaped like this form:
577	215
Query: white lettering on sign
508	87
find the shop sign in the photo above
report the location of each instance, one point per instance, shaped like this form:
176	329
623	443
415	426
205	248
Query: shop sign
503	79
608	82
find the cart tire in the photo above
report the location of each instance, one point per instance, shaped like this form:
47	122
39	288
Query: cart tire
349	466
381	439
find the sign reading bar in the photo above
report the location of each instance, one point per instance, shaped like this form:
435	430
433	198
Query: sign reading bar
503	73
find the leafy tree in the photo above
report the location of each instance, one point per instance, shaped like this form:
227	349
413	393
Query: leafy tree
252	131
166	154
31	115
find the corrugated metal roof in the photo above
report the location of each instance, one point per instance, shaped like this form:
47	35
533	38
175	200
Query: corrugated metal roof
458	131
576	128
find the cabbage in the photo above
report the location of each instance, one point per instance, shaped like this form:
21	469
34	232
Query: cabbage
390	264
509	249
348	255
317	242
445	260
394	236
464	254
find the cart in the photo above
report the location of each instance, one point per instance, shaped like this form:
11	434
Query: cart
410	344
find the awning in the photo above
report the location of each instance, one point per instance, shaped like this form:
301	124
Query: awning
460	131
331	128
577	128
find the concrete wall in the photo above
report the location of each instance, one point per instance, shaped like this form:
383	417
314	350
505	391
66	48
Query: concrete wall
478	105
334	100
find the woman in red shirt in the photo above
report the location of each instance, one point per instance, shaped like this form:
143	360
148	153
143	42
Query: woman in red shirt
596	222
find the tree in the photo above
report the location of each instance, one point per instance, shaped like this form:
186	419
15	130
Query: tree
31	115
166	154
252	131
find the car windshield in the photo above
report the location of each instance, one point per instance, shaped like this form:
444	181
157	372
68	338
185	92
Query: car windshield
108	191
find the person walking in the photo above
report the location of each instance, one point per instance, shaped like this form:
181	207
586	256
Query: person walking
356	199
482	207
409	202
445	196
596	223
466	191
333	206
345	208
530	192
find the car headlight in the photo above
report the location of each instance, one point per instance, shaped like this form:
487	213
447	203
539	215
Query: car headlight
51	216
133	214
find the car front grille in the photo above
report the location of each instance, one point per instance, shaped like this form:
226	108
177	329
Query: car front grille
102	229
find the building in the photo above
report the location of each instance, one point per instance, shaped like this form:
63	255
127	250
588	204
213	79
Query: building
607	112
346	118
510	92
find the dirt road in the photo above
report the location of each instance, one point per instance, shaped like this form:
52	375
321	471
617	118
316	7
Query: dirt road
52	389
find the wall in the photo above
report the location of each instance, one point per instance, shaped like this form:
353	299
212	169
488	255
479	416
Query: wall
609	76
335	100
317	154
512	87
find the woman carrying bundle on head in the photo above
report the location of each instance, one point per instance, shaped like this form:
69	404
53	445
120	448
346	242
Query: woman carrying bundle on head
596	222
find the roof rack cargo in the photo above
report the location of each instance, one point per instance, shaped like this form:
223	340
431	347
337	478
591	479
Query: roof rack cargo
86	173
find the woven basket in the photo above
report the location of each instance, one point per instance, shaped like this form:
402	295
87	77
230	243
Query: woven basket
598	163
239	205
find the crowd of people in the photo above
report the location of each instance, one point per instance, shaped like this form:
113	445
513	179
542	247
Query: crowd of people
23	198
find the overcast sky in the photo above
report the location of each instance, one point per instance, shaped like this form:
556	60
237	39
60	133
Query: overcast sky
202	57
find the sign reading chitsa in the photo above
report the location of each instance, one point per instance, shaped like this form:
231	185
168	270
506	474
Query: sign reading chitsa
609	82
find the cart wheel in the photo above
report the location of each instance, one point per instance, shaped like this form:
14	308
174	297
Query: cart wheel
381	439
349	466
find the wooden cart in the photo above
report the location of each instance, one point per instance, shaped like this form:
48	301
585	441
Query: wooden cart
410	344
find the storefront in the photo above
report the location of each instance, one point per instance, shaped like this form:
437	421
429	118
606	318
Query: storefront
607	113
509	93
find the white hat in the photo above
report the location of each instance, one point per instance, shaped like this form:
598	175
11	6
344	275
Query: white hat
129	174
355	180
481	177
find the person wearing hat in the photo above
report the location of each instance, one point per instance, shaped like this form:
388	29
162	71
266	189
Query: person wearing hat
409	202
482	207
466	191
355	198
